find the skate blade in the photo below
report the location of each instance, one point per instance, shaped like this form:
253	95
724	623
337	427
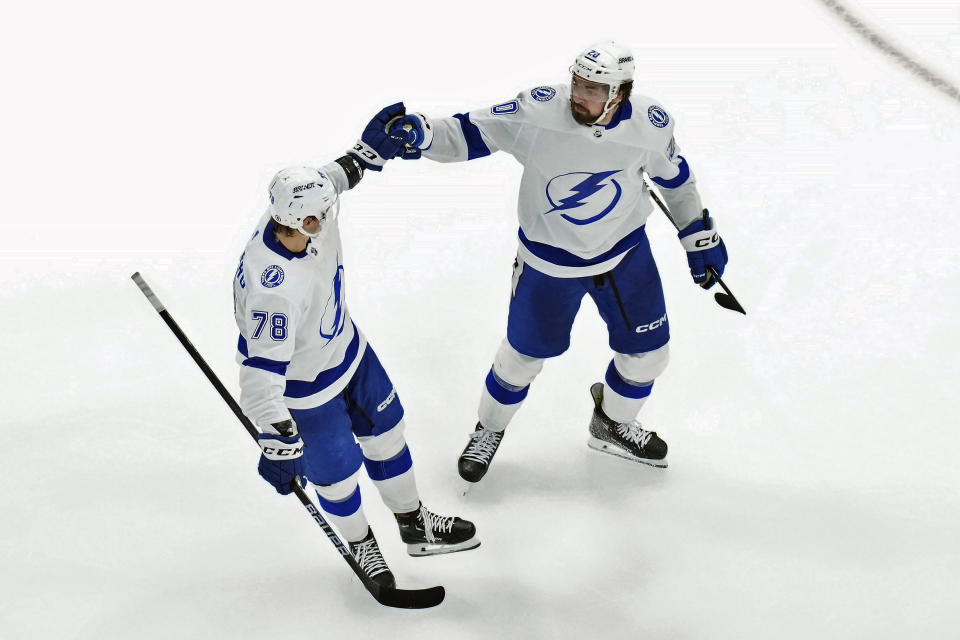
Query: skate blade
426	549
465	486
605	447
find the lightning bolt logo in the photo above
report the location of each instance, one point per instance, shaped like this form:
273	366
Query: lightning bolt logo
581	192
336	297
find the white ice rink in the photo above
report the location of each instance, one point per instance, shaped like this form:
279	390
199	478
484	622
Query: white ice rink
814	486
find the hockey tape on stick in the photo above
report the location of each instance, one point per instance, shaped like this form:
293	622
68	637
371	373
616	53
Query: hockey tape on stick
147	291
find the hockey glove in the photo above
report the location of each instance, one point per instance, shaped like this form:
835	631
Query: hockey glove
376	145
282	457
415	128
705	249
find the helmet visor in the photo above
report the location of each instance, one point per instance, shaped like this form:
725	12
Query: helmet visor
588	90
324	218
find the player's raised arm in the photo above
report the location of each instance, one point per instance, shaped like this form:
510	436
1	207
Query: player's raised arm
462	136
377	144
371	151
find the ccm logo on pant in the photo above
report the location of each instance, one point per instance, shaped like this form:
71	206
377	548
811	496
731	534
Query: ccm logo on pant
656	324
383	405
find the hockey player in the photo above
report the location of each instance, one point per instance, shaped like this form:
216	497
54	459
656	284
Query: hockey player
310	381
583	203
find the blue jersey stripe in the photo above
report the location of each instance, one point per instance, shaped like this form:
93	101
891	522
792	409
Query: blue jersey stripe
476	147
273	366
304	388
276	366
682	177
563	258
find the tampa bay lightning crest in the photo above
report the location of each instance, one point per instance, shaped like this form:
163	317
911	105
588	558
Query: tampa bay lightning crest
658	116
333	320
583	197
272	276
543	94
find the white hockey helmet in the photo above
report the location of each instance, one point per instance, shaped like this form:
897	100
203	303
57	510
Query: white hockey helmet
606	62
299	192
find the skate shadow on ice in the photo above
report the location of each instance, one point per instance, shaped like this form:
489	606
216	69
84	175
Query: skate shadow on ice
587	473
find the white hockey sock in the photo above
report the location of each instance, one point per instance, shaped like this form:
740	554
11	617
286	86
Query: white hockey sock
399	493
620	408
390	466
496	415
506	386
344	513
622	398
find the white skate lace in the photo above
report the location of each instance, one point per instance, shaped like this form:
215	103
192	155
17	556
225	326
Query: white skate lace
483	445
432	522
368	556
633	432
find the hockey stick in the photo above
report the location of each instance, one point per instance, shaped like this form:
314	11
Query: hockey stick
391	597
726	300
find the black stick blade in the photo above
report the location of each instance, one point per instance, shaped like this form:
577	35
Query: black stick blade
728	302
407	598
726	299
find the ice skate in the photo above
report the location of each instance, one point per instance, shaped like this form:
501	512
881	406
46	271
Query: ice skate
477	456
627	440
428	534
368	556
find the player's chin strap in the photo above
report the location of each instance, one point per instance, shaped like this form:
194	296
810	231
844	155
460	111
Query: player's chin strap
611	96
607	107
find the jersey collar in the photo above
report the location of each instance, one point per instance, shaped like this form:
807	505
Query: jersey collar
624	112
270	240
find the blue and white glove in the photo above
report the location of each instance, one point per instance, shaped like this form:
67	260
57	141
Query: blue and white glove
705	248
376	145
416	130
281	459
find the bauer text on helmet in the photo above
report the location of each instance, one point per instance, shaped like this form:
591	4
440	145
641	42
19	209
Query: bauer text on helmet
599	73
297	193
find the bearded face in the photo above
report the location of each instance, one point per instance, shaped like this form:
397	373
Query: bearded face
587	99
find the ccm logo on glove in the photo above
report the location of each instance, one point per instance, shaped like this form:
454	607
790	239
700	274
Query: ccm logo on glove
703	243
282	452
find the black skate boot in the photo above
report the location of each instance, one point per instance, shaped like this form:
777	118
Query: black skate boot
428	534
478	454
368	556
625	439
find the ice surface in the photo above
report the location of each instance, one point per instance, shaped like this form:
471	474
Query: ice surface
813	486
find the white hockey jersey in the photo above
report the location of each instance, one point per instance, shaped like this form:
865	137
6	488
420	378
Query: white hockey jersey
582	202
298	346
